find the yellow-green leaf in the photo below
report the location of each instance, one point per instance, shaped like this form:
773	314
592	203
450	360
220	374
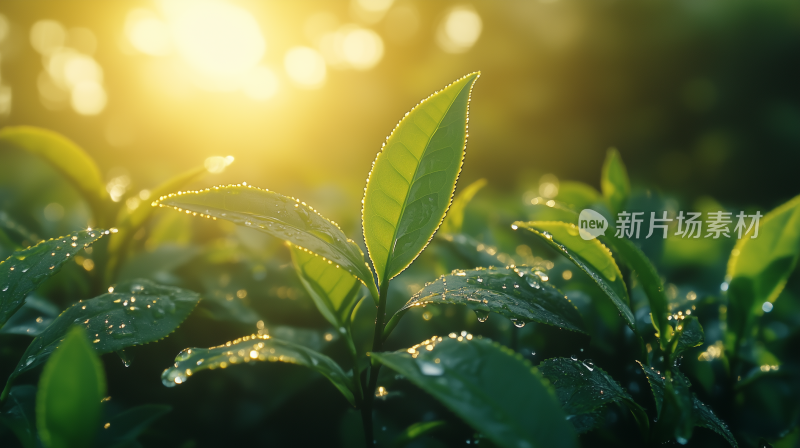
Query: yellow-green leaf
454	220
414	177
614	181
71	388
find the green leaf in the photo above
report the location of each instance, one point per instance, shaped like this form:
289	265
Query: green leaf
519	293
251	349
471	250
700	413
650	280
125	427
490	387
591	256
67	157
583	389
614	181
759	268
18	414
415	431
577	195
72	385
332	289
136	313
33	318
454	221
413	178
690	335
280	216
25	270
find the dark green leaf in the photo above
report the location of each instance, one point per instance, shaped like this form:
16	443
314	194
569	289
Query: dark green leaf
490	387
417	430
126	426
332	289
283	217
614	181
690	334
520	293
18	414
583	389
67	157
35	315
72	385
651	282
251	349
454	221
590	256
136	313
25	270
413	178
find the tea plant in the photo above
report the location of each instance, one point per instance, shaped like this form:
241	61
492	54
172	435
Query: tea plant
617	306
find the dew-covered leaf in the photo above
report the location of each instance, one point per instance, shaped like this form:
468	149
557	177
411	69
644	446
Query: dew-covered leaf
700	413
35	315
690	335
614	181
454	221
759	267
471	250
280	216
413	178
136	313
519	293
583	389
332	289
19	415
72	385
489	386
590	256
25	270
124	427
66	156
650	280
255	348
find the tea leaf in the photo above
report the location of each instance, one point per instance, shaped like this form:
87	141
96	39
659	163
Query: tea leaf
251	349
332	289
454	220
651	282
590	256
67	157
759	267
415	431
280	216
471	250
413	178
126	426
700	413
33	317
18	414
690	335
489	386
25	270
614	181
583	389
136	313
72	385
521	294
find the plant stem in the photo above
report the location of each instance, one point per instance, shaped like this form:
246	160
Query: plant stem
6	390
356	369
377	344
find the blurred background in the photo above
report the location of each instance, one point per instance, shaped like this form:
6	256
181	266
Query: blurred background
701	98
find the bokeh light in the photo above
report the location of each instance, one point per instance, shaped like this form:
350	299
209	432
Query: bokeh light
4	27
88	98
306	67
260	84
47	36
147	33
459	30
362	48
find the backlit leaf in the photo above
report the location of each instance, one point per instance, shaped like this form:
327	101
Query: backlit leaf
25	270
690	335
590	256
454	221
280	216
490	387
614	181
255	348
413	178
72	385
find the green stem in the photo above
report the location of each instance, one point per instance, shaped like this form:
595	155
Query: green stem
6	390
356	369
377	345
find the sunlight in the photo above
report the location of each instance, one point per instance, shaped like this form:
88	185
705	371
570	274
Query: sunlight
459	30
306	67
147	33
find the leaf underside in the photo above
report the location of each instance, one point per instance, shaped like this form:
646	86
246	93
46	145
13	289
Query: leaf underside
25	270
136	313
489	387
277	215
255	348
591	256
518	293
413	178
